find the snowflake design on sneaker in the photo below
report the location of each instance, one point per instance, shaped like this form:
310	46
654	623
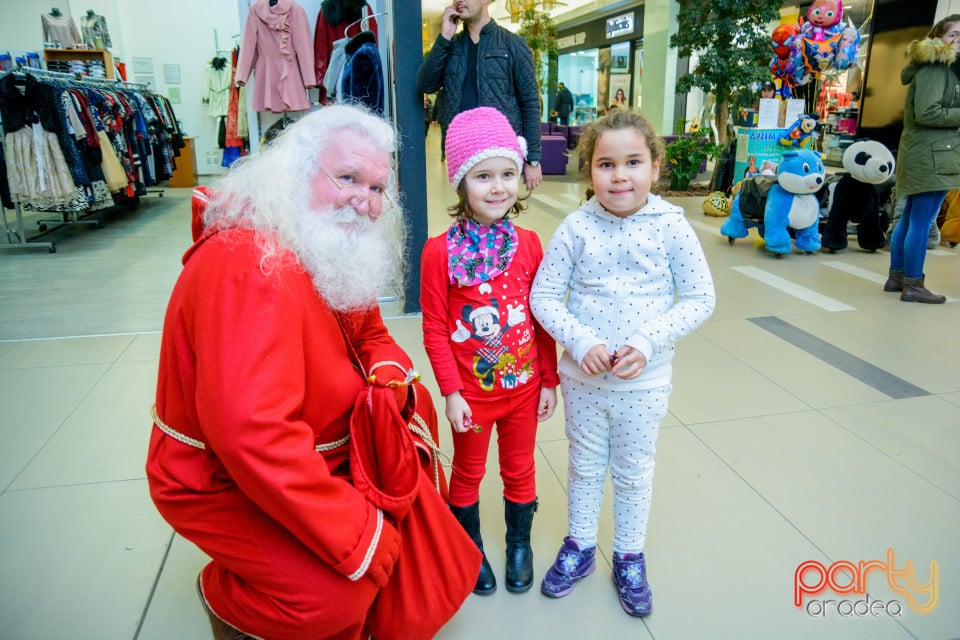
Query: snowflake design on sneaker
630	577
568	563
571	565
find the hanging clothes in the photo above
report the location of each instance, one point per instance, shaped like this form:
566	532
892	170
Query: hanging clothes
331	79
362	79
276	49
337	20
215	87
70	143
234	143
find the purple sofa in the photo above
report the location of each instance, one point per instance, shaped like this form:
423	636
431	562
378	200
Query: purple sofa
553	160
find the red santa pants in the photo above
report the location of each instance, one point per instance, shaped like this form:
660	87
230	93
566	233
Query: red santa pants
515	417
266	583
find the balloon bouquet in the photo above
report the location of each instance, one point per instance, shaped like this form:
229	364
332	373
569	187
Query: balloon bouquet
802	52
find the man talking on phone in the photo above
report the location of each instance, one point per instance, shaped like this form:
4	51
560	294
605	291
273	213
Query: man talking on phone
484	65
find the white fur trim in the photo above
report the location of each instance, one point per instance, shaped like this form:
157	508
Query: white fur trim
475	159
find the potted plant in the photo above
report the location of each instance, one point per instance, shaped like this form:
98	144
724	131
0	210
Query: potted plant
684	155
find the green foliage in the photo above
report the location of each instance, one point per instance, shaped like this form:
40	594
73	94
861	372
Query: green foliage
685	154
538	30
733	43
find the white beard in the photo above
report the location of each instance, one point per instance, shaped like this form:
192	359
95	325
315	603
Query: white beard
349	257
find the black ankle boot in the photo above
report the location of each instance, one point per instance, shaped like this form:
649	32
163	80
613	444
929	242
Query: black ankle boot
519	518
469	519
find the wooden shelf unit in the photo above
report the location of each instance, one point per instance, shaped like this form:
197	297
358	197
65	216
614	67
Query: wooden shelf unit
82	54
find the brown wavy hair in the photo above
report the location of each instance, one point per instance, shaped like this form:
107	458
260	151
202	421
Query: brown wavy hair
616	120
938	30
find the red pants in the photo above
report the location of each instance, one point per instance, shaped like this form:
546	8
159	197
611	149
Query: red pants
266	583
515	416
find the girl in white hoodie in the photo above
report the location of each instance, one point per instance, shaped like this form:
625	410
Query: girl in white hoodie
624	277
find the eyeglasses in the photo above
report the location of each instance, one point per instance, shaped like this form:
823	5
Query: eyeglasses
349	191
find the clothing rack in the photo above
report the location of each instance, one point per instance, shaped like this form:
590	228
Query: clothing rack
76	77
16	236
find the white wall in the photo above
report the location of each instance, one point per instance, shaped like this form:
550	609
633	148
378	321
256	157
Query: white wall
177	32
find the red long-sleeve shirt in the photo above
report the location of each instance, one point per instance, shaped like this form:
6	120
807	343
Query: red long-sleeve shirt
482	339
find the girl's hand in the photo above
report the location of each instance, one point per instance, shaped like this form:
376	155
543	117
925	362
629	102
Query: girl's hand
548	402
628	363
596	361
458	412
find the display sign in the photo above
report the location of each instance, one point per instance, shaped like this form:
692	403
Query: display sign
620	25
757	150
572	40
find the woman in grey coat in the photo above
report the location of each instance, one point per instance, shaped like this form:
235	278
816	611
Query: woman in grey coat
928	161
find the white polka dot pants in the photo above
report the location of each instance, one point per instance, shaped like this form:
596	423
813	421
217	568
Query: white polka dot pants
616	430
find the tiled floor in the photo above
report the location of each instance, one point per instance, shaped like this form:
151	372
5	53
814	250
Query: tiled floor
813	418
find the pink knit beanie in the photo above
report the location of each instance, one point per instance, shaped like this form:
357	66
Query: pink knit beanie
476	135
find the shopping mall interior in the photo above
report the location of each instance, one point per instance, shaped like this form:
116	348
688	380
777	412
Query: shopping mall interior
813	417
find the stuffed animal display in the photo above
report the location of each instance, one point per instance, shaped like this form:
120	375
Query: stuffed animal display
854	198
801	133
791	203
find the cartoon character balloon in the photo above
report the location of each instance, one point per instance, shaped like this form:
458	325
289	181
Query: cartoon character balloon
824	20
847	47
784	41
824	42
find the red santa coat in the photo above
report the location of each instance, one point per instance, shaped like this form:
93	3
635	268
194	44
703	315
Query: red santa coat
257	371
278	49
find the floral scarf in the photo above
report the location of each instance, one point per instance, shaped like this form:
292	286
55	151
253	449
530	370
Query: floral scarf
478	253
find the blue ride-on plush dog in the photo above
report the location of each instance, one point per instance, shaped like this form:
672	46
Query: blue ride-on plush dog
791	203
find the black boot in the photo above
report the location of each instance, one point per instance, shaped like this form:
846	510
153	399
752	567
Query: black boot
519	519
469	519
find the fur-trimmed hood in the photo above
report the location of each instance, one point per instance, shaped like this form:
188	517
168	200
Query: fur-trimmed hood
924	52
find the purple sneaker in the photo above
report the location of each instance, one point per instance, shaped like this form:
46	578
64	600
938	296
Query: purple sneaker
571	565
630	576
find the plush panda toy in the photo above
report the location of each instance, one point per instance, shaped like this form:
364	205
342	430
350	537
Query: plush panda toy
854	197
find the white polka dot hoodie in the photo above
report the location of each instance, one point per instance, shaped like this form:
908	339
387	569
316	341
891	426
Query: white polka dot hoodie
641	281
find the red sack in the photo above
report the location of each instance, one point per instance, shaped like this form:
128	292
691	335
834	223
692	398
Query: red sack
438	564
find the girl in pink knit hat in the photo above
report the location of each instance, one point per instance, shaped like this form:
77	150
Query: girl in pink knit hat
496	367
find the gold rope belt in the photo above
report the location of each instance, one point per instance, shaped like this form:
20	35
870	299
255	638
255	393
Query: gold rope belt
420	429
